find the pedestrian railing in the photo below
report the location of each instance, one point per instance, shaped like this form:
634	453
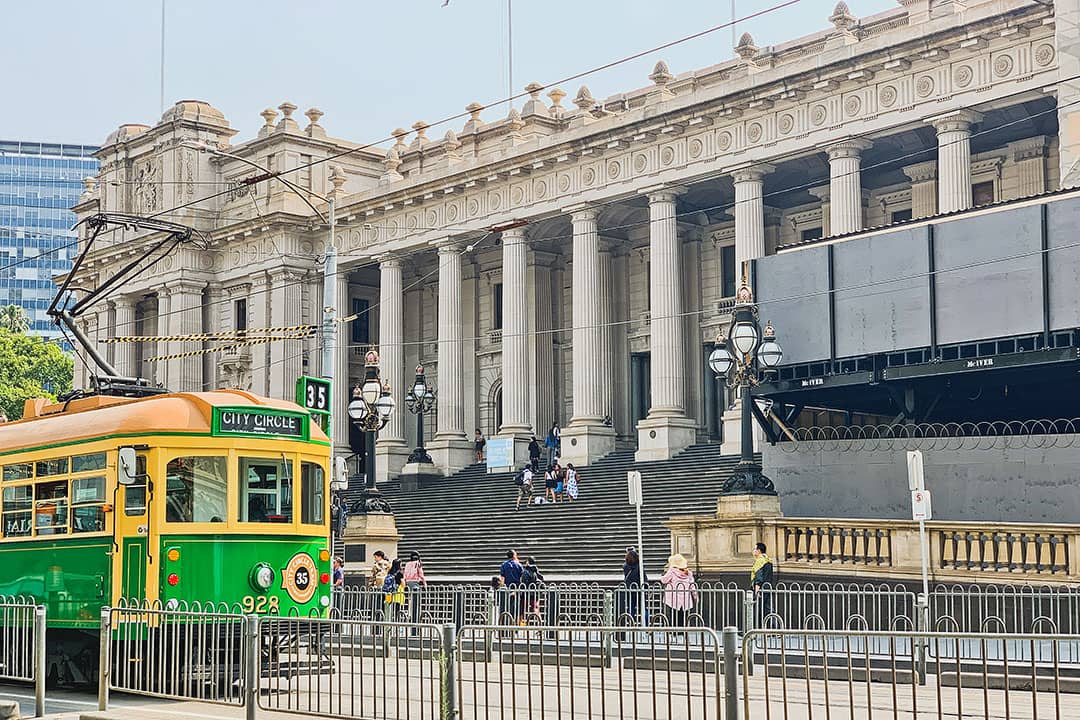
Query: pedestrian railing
794	673
1006	608
22	644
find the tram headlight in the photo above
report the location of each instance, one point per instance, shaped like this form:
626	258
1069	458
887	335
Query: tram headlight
262	577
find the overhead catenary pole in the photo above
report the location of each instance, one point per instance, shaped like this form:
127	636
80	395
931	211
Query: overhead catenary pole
329	320
162	66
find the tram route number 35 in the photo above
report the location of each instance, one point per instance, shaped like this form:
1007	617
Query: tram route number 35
313	394
259	605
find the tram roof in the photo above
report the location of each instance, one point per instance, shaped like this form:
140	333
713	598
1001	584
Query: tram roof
44	424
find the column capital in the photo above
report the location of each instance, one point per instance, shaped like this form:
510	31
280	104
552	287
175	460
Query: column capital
921	172
583	213
513	236
957	121
184	285
388	261
447	245
821	192
124	301
852	148
753	172
662	193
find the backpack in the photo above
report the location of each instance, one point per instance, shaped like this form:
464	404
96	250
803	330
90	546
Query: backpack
519	479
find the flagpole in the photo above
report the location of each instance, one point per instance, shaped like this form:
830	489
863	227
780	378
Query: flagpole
509	53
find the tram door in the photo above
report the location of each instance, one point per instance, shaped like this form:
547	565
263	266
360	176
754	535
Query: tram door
132	536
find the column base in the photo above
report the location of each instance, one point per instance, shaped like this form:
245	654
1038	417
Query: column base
732	444
584	444
452	453
748	506
661	438
390	458
378	531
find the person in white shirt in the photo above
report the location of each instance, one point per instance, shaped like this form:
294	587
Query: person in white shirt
525	484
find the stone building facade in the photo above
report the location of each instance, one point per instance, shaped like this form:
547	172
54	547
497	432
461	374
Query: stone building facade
572	262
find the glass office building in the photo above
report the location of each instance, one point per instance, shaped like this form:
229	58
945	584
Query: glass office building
39	183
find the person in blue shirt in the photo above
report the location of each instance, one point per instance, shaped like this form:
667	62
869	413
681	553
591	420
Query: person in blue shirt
511	571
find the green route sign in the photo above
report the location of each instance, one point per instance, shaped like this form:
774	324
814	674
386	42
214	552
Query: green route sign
313	394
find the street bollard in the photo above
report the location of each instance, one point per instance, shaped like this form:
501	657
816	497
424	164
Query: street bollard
39	661
252	666
449	672
748	626
104	651
731	674
922	620
607	638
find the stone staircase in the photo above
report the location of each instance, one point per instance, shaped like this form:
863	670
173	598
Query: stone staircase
462	525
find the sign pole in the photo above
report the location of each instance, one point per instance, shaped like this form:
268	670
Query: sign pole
921	510
633	482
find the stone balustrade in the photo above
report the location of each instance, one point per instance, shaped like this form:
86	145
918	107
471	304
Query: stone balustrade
1014	553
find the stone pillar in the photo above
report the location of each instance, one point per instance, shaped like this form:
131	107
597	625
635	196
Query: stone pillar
1029	155
607	332
213	311
258	304
692	305
391	450
923	178
586	438
450	448
286	356
515	342
666	430
342	386
184	318
749	214
1066	51
620	314
954	159
845	186
821	192
124	324
543	392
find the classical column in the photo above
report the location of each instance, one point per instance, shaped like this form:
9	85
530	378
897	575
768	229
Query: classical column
749	214
286	356
515	341
450	447
923	178
666	430
821	192
258	303
184	317
124	324
954	159
342	382
845	186
1029	156
213	311
586	438
607	333
391	450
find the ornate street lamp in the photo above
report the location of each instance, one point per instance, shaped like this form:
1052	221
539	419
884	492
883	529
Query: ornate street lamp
747	353
370	410
420	399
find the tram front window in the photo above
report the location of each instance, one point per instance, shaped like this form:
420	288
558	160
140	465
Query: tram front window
265	490
195	489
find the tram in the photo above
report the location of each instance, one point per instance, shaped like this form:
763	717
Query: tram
176	497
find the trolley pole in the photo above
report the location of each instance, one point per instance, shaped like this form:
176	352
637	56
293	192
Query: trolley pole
329	321
39	661
104	653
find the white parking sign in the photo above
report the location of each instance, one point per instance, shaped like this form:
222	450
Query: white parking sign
920	505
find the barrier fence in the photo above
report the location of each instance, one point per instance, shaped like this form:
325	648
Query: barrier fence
22	645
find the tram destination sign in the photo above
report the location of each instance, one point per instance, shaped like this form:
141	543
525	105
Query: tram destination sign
256	422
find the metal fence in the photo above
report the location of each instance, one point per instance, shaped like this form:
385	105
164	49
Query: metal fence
22	645
793	673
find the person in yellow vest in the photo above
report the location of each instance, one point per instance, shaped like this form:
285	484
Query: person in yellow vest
761	580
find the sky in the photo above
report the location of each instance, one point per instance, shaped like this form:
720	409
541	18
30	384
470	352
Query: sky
76	70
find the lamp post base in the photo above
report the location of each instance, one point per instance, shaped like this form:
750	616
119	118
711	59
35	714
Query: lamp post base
419	455
747	479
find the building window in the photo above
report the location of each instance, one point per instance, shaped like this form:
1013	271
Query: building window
240	315
497	307
982	193
727	270
813	233
900	216
361	323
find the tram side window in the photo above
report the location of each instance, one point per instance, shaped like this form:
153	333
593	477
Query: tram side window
313	489
195	489
18	509
21	471
265	490
88	505
54	466
135	494
51	506
88	463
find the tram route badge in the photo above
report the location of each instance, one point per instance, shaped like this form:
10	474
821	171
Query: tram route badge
299	578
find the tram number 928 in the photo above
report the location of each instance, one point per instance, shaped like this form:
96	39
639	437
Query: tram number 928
259	605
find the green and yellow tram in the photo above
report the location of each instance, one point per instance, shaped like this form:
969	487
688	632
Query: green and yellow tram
212	497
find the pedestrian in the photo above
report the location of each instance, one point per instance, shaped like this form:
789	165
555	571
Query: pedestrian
680	590
501	598
511	572
634	581
761	580
339	573
394	591
379	567
413	573
534	454
551	482
532	580
478	443
571	482
553	443
525	486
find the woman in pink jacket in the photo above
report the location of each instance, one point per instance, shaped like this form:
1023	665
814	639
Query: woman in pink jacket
414	580
680	590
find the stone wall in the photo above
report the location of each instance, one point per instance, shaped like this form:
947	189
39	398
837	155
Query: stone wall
1003	484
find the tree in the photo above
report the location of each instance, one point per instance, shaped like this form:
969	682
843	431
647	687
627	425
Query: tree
30	368
14	319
